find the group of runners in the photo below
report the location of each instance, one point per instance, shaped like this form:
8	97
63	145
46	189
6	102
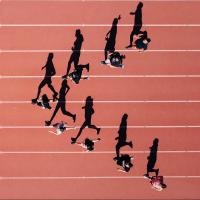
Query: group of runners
114	59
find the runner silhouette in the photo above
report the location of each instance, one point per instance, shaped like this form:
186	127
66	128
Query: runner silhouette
122	136
137	23
152	158
89	111
76	52
111	38
61	103
50	71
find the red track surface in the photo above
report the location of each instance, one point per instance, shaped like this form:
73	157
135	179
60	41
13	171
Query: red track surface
36	164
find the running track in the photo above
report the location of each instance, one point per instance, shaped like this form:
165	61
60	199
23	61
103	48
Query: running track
159	89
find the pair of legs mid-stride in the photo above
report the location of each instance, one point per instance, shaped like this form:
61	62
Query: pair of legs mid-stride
84	125
60	105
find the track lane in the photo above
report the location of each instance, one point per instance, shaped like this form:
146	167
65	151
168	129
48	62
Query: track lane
184	188
173	139
139	114
63	38
83	165
97	188
152	63
65	12
107	89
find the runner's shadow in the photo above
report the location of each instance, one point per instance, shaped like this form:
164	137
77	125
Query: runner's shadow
122	136
89	111
76	52
50	71
62	103
137	23
111	38
152	158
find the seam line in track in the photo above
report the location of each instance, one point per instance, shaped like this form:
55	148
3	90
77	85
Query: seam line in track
189	1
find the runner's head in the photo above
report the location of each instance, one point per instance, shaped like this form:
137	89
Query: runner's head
140	5
50	56
125	117
78	32
89	100
155	141
115	21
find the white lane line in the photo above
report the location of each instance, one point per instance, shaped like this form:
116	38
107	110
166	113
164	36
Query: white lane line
97	25
188	1
93	152
104	127
86	177
94	50
113	102
108	76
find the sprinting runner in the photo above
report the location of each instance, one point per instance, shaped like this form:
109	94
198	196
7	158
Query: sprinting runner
157	183
88	144
142	42
114	60
76	75
125	162
61	128
44	102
